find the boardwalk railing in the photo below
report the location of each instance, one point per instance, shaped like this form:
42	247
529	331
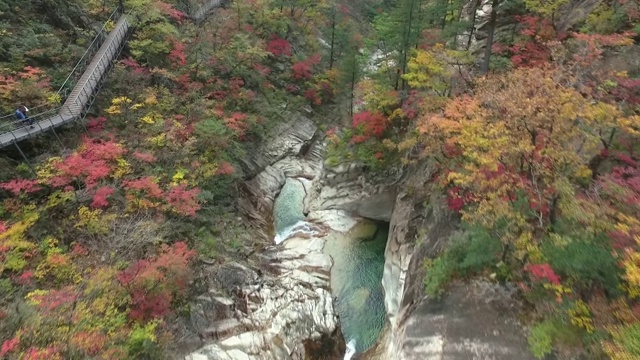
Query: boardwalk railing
79	89
8	122
81	66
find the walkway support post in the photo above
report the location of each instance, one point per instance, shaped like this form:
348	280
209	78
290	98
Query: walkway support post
25	159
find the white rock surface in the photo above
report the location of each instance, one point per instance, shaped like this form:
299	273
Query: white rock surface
282	310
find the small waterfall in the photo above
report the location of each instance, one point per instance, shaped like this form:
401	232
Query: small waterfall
351	349
299	227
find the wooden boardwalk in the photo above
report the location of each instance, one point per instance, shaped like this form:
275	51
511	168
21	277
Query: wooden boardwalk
82	95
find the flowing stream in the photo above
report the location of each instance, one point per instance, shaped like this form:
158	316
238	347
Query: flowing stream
358	263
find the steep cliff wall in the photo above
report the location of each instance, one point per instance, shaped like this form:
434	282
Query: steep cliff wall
473	320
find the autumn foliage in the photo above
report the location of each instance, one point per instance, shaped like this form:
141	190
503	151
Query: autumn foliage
154	283
79	254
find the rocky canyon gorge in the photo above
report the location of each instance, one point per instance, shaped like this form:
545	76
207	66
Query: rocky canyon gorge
279	303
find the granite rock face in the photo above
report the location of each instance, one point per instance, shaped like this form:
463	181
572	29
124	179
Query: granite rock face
277	304
277	311
296	151
475	320
290	138
345	187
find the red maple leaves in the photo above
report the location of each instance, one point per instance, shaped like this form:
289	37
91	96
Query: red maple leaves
18	186
154	283
183	201
170	11
302	69
146	185
236	122
278	46
100	197
543	272
371	124
177	54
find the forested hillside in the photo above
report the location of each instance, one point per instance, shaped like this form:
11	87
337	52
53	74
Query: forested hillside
100	240
527	111
532	128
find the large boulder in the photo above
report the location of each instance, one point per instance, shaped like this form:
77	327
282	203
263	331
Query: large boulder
295	149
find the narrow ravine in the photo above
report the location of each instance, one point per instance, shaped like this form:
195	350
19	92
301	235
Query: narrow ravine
356	247
358	258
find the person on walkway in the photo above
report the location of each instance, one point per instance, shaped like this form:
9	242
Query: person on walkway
21	115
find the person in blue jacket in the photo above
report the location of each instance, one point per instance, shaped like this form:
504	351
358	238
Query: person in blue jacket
21	115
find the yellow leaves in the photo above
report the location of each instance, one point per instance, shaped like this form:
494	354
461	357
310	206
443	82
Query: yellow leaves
159	140
109	25
54	99
630	124
427	70
33	298
14	240
122	168
47	170
178	177
151	118
57	198
117	105
15	233
375	96
93	221
580	316
631	275
583	172
558	289
151	99
57	265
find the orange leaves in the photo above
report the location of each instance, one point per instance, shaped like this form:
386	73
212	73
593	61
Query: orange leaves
237	122
224	168
518	133
90	342
31	73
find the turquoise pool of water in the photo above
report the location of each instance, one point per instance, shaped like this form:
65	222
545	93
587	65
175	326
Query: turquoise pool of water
356	284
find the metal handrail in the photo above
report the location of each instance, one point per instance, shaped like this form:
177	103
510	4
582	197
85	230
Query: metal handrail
100	60
40	118
30	109
99	36
51	114
14	125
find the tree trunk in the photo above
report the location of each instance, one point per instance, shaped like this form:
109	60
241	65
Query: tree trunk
406	42
492	28
353	83
474	11
333	37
